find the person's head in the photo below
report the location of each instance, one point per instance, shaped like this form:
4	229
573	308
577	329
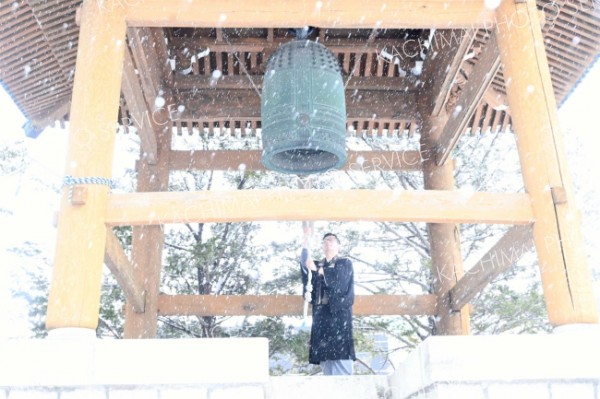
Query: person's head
331	245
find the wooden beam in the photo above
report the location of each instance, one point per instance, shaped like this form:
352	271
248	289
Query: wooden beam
242	82
74	299
340	14
138	109
473	91
288	305
507	251
342	205
56	113
143	49
158	41
448	50
121	267
566	277
237	104
444	238
250	160
495	99
401	47
147	243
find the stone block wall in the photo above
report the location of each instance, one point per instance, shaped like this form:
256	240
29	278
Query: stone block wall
556	366
148	369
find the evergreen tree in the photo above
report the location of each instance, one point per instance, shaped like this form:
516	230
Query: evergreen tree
389	258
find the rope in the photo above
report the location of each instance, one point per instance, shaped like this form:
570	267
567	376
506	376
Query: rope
70	181
307	295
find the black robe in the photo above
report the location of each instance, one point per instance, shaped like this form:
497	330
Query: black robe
331	333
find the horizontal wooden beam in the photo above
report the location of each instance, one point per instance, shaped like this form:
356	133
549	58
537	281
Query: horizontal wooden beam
509	249
364	161
121	267
433	206
448	14
479	80
242	82
215	104
288	305
404	48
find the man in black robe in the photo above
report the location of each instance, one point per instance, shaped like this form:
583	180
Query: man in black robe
332	296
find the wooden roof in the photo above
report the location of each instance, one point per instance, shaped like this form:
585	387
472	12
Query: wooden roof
39	45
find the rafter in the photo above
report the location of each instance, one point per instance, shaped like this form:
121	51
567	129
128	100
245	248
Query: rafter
449	48
473	91
138	109
142	46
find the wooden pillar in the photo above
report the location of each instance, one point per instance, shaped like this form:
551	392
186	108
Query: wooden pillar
444	238
566	277
147	241
74	299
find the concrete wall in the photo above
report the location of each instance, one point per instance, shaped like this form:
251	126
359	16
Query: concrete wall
557	366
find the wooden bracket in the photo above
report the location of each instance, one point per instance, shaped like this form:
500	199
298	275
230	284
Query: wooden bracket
122	269
78	195
559	195
508	250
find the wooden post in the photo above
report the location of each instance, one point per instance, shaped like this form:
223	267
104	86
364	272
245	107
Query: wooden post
444	238
565	274
147	241
77	276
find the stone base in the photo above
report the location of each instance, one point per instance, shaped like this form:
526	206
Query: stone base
558	366
97	362
565	365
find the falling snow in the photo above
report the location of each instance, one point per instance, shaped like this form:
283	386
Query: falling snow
159	102
216	142
457	110
492	4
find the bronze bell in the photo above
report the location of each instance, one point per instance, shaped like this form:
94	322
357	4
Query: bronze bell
303	110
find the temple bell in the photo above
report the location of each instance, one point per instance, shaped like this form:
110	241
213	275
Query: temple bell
303	110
